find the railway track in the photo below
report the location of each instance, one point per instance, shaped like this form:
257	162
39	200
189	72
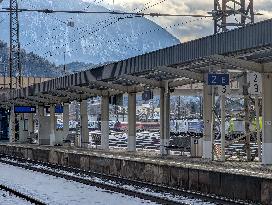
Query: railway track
117	184
18	194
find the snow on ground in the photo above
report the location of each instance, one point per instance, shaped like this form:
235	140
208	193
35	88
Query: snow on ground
8	199
53	190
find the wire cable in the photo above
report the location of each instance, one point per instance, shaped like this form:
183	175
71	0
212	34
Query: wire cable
49	11
107	25
143	33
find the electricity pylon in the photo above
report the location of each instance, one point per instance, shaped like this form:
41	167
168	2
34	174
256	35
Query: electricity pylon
229	14
15	67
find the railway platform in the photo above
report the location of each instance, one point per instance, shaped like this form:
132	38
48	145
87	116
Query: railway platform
236	180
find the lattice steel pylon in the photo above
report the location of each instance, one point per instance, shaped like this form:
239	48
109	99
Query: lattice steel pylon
230	14
15	68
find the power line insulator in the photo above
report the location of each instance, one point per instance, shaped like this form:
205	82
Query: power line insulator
71	24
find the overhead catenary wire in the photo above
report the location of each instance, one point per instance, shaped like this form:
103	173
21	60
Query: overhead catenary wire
116	41
127	15
98	23
93	3
149	31
109	24
119	18
79	28
50	11
61	21
147	6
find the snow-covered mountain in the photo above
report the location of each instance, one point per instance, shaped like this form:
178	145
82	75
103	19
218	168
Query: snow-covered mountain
95	38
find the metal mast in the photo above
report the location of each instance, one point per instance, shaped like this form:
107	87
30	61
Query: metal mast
15	69
230	14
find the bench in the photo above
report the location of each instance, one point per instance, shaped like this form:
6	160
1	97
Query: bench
182	149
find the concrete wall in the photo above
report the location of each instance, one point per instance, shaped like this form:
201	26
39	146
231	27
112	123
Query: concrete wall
223	184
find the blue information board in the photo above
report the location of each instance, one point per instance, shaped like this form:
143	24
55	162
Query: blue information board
218	79
58	109
24	109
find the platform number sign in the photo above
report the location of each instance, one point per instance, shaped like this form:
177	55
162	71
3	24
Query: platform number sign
221	79
254	80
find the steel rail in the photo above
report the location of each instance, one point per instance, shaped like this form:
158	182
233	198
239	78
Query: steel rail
21	195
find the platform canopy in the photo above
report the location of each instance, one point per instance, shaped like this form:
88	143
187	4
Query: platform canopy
244	49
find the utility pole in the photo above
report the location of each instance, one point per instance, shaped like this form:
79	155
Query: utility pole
228	14
15	68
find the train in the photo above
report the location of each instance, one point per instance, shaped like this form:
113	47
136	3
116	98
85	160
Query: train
177	127
184	127
140	126
235	127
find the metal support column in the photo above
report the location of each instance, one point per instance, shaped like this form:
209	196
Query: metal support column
223	124
164	119
213	121
12	125
40	116
30	124
84	131
52	125
247	124
162	112
105	122
65	120
267	118
207	118
132	122
23	134
257	108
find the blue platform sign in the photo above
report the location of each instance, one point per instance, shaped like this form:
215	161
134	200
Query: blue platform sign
58	109
218	79
24	109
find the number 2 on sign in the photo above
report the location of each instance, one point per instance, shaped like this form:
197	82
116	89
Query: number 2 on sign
255	78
